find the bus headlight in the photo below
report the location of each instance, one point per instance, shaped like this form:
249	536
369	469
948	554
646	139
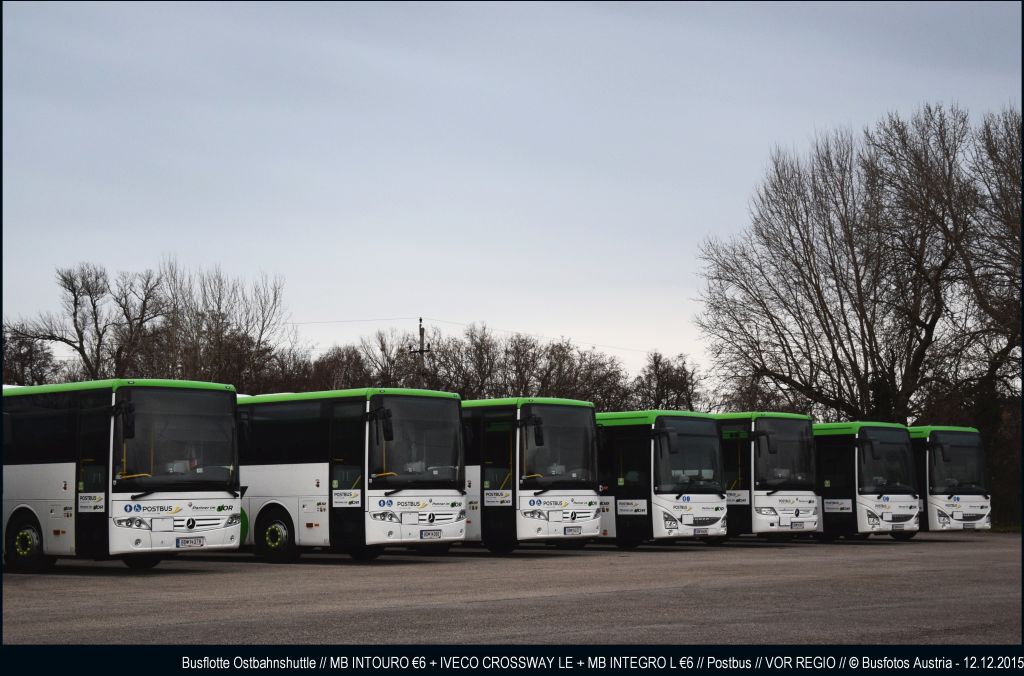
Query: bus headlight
461	516
535	514
234	520
670	521
766	511
873	519
390	517
132	522
943	518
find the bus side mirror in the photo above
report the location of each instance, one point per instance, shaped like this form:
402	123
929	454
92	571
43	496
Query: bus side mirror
127	420
943	450
765	443
387	427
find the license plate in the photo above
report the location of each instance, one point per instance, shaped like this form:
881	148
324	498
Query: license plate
968	526
430	534
700	531
796	525
191	542
897	526
574	530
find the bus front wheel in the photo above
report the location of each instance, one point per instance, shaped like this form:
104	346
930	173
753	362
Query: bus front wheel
274	538
24	547
903	535
141	561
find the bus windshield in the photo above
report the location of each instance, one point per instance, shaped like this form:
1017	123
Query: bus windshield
425	450
688	457
784	454
566	456
958	464
885	461
184	440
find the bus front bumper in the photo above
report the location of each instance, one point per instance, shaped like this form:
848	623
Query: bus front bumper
141	541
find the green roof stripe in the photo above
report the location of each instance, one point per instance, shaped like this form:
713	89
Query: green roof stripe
518	402
925	431
361	393
850	428
115	384
625	418
754	415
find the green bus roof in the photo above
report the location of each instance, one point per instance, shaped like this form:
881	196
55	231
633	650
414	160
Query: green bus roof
361	393
518	402
754	415
115	384
624	418
850	428
925	431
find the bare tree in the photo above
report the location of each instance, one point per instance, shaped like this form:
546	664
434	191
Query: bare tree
667	383
27	361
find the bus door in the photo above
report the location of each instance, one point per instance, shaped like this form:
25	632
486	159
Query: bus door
347	448
736	457
92	485
498	481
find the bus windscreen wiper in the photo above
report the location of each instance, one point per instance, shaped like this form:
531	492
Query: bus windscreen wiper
392	491
143	494
543	490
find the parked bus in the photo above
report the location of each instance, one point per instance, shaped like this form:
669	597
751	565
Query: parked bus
865	477
661	477
768	467
531	471
950	465
130	469
352	470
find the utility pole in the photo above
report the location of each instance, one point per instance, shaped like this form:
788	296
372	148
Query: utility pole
424	349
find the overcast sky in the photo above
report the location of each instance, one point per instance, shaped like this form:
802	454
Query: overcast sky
546	168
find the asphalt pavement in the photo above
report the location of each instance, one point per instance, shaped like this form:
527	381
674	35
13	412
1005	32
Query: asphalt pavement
941	588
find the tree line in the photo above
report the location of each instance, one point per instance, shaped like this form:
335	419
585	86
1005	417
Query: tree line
879	279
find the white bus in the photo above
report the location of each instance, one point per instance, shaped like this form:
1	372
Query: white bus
661	477
531	471
768	466
865	477
950	464
352	470
130	469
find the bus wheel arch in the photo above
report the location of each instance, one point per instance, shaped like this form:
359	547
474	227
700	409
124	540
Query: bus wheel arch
274	535
23	545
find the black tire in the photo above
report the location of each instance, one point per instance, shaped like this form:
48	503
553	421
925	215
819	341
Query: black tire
275	537
23	551
141	562
627	544
500	547
364	554
903	535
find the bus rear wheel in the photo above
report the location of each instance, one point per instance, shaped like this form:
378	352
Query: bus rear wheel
24	547
274	538
903	535
141	561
